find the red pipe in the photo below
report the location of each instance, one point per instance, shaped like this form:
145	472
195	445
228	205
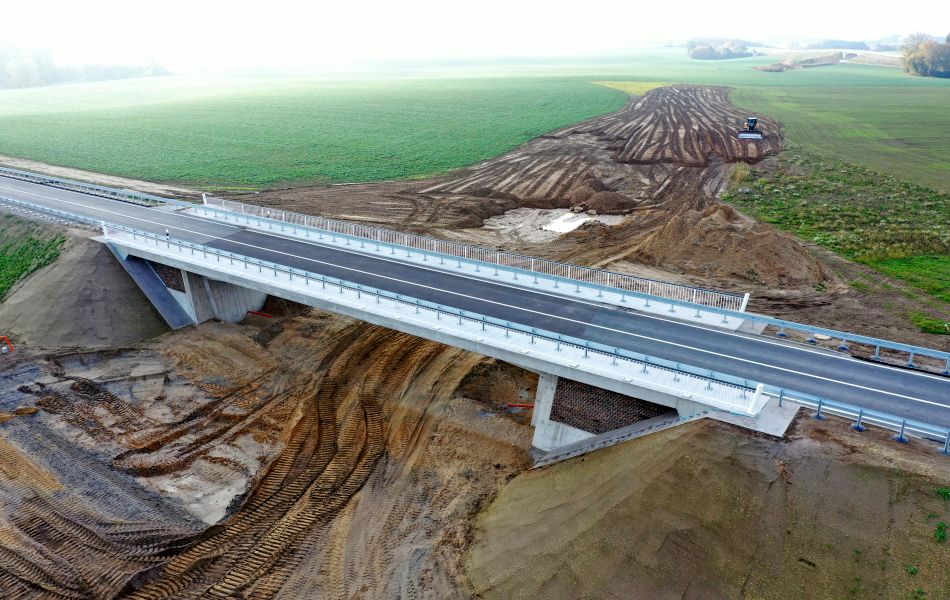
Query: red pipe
4	338
260	314
511	405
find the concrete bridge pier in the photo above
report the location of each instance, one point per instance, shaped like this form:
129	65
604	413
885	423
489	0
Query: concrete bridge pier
184	298
205	299
616	411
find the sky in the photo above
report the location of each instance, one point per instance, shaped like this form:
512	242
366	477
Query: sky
214	34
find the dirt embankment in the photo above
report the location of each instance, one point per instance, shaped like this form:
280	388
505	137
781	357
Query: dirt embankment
334	458
85	299
662	160
708	511
661	164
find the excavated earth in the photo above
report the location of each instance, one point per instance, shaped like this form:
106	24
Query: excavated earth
330	458
312	456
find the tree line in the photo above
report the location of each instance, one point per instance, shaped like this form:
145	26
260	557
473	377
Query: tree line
20	68
718	48
923	55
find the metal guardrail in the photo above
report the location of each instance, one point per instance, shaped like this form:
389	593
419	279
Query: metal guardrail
512	260
395	239
864	416
675	294
89	188
561	342
652	287
622	361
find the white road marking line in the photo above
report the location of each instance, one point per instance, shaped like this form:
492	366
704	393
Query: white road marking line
516	308
761	340
708	328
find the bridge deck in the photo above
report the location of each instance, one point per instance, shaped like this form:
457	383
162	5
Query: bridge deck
905	393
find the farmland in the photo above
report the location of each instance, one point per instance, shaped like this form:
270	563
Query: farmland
251	133
897	228
901	130
259	133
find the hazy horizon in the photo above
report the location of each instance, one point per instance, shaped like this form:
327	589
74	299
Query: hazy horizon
243	35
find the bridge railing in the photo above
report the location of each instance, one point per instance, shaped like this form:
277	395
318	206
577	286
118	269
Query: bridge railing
89	188
579	348
675	294
604	283
492	256
719	390
863	416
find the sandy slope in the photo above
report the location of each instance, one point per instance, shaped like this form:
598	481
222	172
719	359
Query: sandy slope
708	511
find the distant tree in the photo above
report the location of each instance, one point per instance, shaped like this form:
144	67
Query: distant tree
21	68
717	48
922	55
939	59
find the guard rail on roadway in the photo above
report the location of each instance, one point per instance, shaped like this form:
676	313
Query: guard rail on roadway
718	390
89	188
652	287
576	348
492	256
863	416
646	363
723	303
608	282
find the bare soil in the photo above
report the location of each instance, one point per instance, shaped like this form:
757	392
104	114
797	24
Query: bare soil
333	459
97	305
707	511
661	164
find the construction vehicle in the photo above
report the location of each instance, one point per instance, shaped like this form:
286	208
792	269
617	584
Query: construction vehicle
8	347
750	132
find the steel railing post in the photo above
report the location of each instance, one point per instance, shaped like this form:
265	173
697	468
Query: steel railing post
857	425
900	436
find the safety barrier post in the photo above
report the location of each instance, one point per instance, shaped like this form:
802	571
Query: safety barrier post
857	425
900	436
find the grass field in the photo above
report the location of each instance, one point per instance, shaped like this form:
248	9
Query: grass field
901	130
249	133
897	228
252	133
24	248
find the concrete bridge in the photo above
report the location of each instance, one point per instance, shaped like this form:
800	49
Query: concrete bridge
695	351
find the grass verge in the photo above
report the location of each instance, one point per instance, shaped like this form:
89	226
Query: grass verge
24	248
897	228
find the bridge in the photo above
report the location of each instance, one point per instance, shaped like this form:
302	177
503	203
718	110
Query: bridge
697	351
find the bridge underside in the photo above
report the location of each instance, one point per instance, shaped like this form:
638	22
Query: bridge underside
184	298
571	407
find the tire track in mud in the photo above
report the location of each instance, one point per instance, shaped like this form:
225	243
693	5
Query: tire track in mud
333	448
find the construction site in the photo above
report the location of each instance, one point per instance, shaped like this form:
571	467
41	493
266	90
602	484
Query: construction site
302	454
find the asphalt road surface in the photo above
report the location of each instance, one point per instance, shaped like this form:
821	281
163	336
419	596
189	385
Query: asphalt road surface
901	392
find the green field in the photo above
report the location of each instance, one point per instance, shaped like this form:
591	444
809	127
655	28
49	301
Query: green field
247	132
24	247
898	228
897	129
254	133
